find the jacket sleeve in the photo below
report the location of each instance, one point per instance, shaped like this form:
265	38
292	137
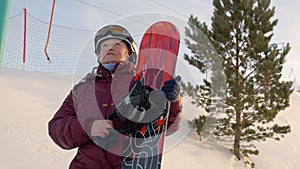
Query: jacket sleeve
174	119
65	129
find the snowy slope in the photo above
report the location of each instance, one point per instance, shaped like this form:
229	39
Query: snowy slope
29	100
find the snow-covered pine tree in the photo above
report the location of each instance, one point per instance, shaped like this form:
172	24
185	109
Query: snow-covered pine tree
241	31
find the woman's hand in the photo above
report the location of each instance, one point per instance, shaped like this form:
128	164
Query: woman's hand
101	128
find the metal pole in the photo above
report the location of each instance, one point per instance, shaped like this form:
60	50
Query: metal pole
49	31
4	12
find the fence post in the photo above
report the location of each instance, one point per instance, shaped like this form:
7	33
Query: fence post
4	12
24	36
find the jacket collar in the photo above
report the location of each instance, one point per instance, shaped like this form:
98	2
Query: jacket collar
125	67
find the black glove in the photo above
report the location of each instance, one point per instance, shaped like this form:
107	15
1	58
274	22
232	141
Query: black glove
171	88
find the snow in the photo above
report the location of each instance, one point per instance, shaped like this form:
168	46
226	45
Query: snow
30	99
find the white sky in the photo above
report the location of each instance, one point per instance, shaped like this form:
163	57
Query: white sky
77	14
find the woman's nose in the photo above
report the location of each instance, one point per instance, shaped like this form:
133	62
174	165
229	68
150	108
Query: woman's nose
110	47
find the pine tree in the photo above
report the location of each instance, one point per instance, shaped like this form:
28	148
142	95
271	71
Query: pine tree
251	93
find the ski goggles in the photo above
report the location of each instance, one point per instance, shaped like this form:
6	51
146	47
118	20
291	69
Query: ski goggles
114	30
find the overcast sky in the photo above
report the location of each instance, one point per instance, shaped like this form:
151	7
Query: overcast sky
93	14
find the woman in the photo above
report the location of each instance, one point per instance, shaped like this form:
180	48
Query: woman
84	114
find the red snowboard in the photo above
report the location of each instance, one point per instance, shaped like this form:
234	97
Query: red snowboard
156	63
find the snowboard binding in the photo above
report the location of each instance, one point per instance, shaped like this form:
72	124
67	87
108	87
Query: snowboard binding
141	106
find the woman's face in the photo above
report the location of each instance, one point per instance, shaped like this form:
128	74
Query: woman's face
112	51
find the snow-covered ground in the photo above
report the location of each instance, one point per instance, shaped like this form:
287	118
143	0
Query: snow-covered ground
29	100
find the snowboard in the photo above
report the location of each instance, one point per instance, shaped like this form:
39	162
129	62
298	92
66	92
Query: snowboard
156	64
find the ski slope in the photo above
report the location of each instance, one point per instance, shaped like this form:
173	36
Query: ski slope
29	100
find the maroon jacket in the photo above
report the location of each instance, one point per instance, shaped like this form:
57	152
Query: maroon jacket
93	99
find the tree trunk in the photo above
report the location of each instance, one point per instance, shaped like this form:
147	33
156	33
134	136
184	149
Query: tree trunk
236	145
237	137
